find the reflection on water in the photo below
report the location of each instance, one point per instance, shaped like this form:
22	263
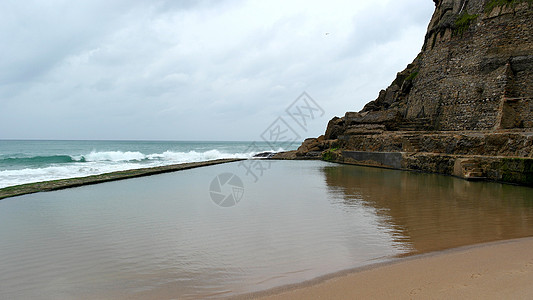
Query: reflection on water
433	212
162	236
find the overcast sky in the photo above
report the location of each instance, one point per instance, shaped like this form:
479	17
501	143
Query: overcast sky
194	70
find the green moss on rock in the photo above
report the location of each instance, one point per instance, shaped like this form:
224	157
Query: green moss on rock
331	154
328	156
412	76
517	170
463	22
498	3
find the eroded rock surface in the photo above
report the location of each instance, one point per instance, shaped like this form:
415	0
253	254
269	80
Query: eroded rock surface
468	93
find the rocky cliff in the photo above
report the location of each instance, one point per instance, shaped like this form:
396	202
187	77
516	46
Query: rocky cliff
463	107
475	71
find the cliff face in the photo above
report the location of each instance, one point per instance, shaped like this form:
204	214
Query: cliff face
475	71
468	92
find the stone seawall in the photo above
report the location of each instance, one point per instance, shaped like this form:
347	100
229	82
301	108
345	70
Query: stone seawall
512	144
470	167
380	159
60	184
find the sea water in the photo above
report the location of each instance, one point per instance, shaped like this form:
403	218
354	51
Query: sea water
25	161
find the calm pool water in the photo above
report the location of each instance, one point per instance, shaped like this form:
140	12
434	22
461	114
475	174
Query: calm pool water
163	236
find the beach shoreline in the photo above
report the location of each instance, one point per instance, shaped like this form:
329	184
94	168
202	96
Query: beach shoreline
492	270
54	185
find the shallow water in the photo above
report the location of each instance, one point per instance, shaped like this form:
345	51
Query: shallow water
162	236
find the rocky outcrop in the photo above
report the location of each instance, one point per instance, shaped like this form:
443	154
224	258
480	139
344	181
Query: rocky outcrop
468	93
475	71
311	148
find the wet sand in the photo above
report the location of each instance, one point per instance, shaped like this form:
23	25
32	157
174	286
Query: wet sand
498	270
54	185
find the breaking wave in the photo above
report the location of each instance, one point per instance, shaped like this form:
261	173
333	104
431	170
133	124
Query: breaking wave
20	170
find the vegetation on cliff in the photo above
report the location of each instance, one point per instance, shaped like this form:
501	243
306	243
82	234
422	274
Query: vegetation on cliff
412	75
505	3
330	154
463	22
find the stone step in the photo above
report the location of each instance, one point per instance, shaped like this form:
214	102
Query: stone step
415	124
402	127
475	178
474	175
414	142
470	164
411	125
472	171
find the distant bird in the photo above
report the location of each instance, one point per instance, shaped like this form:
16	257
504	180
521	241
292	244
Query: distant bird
327	33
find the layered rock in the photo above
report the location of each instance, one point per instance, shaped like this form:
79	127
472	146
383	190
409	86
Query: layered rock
475	71
468	93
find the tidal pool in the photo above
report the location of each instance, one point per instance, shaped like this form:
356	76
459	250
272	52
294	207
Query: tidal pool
163	236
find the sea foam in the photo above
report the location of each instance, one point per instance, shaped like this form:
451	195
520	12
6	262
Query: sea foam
97	162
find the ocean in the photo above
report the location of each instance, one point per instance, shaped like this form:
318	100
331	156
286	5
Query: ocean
26	161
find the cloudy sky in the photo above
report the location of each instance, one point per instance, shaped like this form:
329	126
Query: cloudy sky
194	70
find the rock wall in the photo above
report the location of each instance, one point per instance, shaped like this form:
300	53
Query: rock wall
477	55
463	107
511	144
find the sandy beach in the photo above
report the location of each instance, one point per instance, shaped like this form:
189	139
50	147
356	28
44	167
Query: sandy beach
499	270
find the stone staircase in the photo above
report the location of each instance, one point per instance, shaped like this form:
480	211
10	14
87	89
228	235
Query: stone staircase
413	143
415	125
472	171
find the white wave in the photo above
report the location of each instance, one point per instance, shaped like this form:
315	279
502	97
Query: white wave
119	156
28	175
193	156
113	156
95	163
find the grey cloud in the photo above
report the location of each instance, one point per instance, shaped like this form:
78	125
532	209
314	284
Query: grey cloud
384	24
146	69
